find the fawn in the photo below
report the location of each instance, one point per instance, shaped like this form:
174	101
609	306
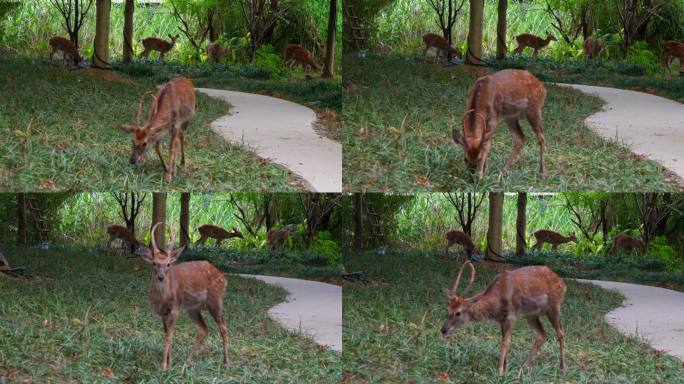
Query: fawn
592	47
216	52
432	40
553	238
510	95
294	54
673	50
192	286
529	292
278	237
623	243
116	231
159	45
172	108
68	50
535	42
217	233
462	238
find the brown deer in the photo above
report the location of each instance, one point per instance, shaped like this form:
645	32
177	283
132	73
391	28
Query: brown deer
277	238
592	47
432	40
294	54
462	238
554	238
67	48
529	292
172	108
673	50
216	52
217	233
510	95
116	231
191	286
159	45
623	243
4	264
535	42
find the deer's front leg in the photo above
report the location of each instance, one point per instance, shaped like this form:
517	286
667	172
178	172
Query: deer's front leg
157	148
169	327
506	328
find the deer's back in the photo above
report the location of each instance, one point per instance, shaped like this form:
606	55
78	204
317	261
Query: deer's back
178	93
674	48
198	281
155	42
544	234
516	91
460	238
435	40
531	290
213	230
62	43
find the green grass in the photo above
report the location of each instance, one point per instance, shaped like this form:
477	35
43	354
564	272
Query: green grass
399	112
87	312
391	333
61	132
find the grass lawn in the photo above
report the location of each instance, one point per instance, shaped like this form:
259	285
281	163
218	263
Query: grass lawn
399	112
391	333
61	132
86	317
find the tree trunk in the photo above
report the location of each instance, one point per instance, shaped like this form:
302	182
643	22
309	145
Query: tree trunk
521	224
501	27
159	216
101	51
474	54
21	219
128	32
184	219
358	221
495	231
329	67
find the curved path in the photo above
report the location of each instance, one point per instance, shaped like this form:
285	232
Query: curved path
283	132
652	314
311	307
650	125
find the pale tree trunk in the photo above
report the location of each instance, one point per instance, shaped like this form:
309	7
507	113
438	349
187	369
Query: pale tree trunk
521	224
474	55
495	231
21	219
501	27
101	51
184	219
128	31
329	67
159	216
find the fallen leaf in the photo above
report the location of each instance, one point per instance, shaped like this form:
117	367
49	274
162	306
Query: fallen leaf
443	377
49	185
423	181
107	372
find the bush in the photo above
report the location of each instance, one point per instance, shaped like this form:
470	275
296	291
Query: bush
642	57
662	253
327	248
267	57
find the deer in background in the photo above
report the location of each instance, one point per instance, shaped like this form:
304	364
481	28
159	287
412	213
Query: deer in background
172	108
68	50
592	47
553	238
673	50
216	52
217	233
535	42
159	45
623	243
462	238
294	54
277	238
510	95
432	40
529	292
122	233
192	286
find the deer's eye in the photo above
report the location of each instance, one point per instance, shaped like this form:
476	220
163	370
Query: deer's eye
144	144
155	264
457	314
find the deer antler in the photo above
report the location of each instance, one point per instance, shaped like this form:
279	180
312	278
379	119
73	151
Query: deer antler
458	278
154	228
140	107
477	114
173	239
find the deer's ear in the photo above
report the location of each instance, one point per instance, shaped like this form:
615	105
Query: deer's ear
458	139
447	292
128	128
146	254
175	254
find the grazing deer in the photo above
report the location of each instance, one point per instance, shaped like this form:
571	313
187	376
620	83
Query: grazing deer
67	48
294	54
432	40
553	238
172	108
191	286
673	50
216	52
529	292
535	42
623	243
116	231
159	45
592	47
510	95
217	233
278	237
462	238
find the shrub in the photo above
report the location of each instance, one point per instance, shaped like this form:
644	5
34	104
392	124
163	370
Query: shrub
327	248
267	57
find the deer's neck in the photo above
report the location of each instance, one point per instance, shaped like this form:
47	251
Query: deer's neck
486	308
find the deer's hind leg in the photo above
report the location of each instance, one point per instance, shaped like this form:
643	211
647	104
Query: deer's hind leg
506	330
202	332
518	142
554	317
535	119
216	311
539	337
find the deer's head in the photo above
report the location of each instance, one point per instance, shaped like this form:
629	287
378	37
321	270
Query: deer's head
145	135
237	233
572	237
160	259
551	37
472	138
457	312
173	39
